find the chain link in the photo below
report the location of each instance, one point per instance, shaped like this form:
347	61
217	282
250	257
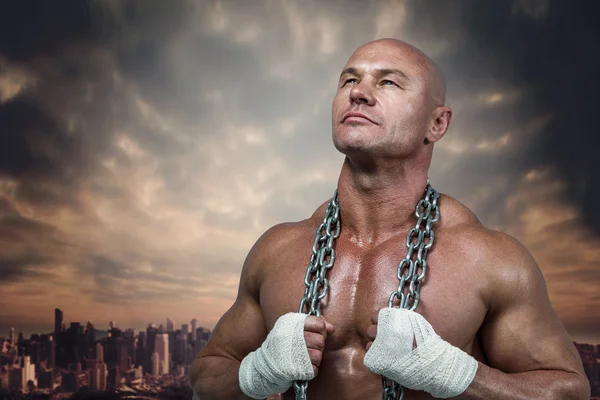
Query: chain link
411	270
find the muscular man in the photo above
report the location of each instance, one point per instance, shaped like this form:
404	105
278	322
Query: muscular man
484	327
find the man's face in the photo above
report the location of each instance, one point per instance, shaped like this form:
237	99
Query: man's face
382	106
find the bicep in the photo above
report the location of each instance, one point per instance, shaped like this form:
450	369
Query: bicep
239	331
242	328
522	331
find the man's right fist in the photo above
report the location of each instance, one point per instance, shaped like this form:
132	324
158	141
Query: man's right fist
292	351
316	330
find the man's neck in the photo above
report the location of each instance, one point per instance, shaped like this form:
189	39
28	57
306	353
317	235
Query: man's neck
378	204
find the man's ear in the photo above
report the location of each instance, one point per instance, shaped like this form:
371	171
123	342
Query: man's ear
440	124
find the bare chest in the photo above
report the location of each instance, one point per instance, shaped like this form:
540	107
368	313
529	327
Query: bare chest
360	284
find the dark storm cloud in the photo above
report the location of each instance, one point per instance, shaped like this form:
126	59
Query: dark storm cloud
27	243
63	44
551	50
35	28
35	149
16	269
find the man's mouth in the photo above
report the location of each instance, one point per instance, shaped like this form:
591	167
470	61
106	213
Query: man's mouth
356	117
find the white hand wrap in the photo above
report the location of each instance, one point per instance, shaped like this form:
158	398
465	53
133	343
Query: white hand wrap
282	359
434	366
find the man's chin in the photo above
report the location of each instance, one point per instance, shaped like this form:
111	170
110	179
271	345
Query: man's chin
354	147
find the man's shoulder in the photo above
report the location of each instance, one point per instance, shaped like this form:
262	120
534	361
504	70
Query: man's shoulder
285	235
281	235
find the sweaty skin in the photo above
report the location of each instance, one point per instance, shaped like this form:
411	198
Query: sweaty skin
483	292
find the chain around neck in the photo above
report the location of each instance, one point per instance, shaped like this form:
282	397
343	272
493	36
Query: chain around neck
410	273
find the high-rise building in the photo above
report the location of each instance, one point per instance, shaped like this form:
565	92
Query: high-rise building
123	357
52	353
140	350
58	322
102	376
97	377
170	325
189	354
99	352
93	376
28	372
151	333
112	348
155	361
90	334
15	378
194	324
162	348
69	381
180	348
130	339
11	336
45	379
184	329
112	324
113	379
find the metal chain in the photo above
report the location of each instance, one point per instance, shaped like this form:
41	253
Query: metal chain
411	270
315	280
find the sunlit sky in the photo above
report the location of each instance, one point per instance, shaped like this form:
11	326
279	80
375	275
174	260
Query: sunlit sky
145	149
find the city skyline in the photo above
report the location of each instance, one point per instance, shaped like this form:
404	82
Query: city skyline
99	326
146	146
77	359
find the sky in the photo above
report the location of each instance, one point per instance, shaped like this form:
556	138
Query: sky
145	146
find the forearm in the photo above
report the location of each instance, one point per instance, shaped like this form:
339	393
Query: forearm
490	384
216	378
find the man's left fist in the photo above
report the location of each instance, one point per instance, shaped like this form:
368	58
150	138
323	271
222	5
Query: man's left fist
406	349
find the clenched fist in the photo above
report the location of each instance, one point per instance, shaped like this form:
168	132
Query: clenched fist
292	352
316	330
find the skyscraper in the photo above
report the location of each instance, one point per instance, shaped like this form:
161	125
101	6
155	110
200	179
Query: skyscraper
112	324
11	336
194	327
123	357
99	352
184	329
155	362
52	353
170	325
151	332
90	334
161	347
58	322
98	376
28	372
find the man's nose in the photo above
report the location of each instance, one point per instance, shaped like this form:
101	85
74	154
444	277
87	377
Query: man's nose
361	94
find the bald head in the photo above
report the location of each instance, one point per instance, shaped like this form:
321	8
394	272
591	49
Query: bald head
400	93
425	67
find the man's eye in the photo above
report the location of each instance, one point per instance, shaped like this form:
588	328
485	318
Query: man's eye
351	80
388	82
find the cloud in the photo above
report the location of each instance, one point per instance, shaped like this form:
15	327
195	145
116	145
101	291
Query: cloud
566	249
148	145
542	48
